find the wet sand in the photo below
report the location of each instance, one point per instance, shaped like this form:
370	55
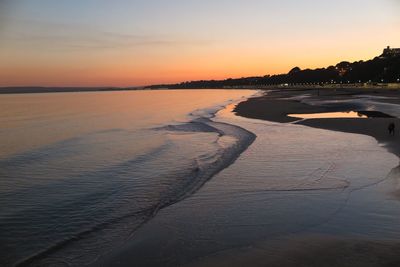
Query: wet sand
319	250
309	251
276	105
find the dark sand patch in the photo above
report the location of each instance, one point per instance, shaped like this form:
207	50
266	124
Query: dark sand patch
375	114
276	110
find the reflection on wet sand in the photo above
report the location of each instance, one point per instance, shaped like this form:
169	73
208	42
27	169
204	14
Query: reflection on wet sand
330	115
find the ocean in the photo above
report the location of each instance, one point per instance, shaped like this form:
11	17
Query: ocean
80	172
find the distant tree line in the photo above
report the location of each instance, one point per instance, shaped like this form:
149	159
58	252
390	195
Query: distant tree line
378	70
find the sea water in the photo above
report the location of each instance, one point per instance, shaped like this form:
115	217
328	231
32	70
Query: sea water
80	172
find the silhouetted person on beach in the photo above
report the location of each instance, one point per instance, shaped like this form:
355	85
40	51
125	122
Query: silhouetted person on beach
392	128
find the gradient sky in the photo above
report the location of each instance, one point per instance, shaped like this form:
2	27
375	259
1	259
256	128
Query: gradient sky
126	43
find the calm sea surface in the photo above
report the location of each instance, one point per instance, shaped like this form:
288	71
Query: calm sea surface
80	172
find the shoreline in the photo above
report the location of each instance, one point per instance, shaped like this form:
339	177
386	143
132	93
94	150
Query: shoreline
310	249
326	88
221	209
277	104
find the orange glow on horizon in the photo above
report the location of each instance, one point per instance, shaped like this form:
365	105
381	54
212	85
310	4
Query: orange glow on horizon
59	55
123	72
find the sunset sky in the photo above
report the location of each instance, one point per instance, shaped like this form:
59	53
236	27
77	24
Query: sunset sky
128	43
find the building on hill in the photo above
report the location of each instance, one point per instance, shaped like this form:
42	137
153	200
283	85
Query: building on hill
391	52
343	67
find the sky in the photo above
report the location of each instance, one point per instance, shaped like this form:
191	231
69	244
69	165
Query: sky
133	43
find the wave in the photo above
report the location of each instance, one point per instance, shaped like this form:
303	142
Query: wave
195	126
207	167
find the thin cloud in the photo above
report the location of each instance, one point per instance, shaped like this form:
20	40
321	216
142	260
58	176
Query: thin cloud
78	37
